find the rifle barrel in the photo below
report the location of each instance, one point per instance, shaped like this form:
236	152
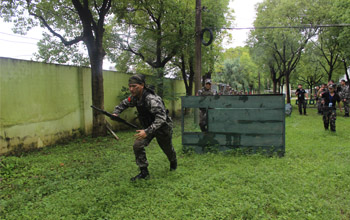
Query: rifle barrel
113	117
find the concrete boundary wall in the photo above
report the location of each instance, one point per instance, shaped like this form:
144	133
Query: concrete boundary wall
41	103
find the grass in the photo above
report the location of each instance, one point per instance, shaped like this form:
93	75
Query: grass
89	179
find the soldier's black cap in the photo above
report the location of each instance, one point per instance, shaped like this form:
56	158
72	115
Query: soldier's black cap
137	79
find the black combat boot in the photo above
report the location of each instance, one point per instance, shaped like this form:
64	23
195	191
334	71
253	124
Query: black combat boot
144	174
173	165
346	115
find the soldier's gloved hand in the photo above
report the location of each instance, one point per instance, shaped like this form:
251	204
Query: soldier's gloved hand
141	134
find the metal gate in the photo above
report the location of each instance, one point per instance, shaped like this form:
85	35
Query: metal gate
252	123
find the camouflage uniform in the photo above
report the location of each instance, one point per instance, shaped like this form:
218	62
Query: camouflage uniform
329	110
345	94
155	120
203	112
318	101
321	105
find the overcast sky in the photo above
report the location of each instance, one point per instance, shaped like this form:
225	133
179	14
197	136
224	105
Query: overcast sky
245	15
22	47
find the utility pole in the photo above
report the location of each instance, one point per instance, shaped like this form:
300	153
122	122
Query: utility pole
198	54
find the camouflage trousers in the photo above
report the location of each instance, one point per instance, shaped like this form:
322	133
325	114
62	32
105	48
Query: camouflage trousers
346	106
203	120
329	117
164	139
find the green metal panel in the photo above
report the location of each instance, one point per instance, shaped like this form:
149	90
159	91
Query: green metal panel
246	101
232	139
250	122
245	121
279	150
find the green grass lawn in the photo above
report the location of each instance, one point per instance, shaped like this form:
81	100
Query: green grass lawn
90	179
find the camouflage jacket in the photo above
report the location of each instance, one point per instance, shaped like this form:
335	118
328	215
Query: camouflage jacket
206	92
151	111
345	92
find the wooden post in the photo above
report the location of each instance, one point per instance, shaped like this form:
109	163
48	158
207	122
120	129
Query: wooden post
198	54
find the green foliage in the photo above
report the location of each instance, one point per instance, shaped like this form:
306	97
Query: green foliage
238	69
62	18
89	179
309	72
340	13
63	54
125	93
280	49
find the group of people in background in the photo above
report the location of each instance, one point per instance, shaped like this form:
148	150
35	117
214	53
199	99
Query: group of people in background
327	97
230	91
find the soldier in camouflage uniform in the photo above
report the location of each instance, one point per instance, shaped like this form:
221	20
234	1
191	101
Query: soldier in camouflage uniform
155	122
203	112
345	96
318	100
322	90
329	110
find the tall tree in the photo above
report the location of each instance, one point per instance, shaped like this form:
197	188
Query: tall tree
309	72
285	46
340	12
329	54
153	26
162	32
71	22
241	57
327	45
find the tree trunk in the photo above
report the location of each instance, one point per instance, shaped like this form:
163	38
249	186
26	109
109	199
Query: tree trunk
198	46
287	89
160	81
330	73
274	83
99	122
191	77
346	70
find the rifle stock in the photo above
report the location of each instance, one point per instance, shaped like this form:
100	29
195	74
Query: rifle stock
113	117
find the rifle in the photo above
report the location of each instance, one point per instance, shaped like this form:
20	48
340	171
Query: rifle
113	117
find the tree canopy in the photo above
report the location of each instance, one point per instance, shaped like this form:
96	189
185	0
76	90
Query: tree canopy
301	38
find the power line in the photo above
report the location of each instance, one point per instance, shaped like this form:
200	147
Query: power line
19	36
288	27
21	42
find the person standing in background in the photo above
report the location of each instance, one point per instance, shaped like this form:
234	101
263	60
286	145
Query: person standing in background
302	98
206	91
345	96
329	110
